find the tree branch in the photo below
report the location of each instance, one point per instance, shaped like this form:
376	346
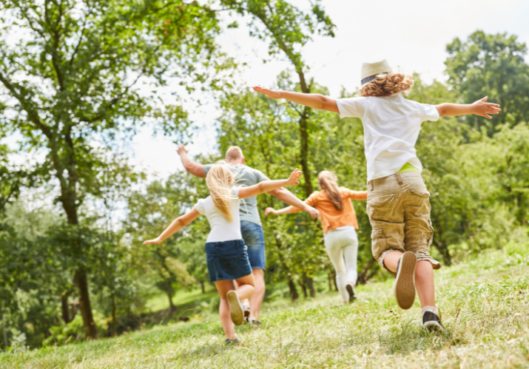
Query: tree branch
32	114
83	27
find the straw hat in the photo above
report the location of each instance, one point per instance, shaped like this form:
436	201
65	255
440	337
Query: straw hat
371	70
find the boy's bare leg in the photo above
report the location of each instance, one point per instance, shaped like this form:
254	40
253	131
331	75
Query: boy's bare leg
424	283
391	260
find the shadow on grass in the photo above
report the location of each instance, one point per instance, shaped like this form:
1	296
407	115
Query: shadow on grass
408	337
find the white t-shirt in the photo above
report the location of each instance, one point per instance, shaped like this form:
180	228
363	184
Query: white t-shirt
391	128
221	228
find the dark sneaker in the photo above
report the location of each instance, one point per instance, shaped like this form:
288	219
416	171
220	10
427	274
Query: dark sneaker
230	341
254	322
432	322
405	283
351	292
236	313
246	310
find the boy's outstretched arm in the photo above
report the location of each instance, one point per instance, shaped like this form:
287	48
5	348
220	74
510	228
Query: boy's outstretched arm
195	169
311	100
175	226
480	107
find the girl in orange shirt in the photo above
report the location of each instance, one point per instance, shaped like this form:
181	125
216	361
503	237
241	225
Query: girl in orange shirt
339	227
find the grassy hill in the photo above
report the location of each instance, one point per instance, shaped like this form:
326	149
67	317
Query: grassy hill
484	305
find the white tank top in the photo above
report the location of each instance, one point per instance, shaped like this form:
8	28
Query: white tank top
221	228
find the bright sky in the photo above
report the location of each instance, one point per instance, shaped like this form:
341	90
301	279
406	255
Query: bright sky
412	35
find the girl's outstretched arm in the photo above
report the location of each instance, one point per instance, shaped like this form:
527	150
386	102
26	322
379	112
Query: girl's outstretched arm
268	186
287	210
175	226
311	100
356	195
480	107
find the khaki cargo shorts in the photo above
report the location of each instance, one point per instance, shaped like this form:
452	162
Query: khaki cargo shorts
398	207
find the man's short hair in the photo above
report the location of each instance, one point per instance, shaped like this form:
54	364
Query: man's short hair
233	153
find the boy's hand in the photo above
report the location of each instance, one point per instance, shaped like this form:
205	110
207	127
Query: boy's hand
294	178
268	93
270	211
181	150
483	108
156	241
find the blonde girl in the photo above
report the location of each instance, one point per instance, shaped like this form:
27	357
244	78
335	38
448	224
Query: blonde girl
227	258
339	223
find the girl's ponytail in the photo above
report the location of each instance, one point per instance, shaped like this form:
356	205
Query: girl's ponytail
329	183
220	181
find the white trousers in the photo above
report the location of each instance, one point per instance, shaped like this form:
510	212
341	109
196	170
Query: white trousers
342	247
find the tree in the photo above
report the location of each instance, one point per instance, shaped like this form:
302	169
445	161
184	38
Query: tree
72	78
493	66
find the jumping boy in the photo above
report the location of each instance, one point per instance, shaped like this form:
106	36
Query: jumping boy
398	203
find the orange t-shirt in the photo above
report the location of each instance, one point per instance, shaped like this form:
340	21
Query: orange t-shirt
331	218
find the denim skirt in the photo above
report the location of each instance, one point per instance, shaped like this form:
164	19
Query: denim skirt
227	260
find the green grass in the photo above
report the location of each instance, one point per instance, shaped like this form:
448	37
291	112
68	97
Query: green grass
484	304
181	297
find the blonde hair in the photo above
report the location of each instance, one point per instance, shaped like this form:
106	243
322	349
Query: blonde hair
233	153
220	180
329	183
387	85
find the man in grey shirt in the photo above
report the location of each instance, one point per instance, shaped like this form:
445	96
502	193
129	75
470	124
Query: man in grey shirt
251	229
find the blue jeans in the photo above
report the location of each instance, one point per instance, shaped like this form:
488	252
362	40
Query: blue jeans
253	237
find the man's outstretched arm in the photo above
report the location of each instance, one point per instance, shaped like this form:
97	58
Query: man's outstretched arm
311	100
289	198
195	169
480	107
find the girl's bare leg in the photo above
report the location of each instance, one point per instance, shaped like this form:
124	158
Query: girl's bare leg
224	309
245	287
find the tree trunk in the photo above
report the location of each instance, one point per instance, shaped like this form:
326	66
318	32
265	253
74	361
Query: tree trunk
363	277
75	307
309	282
443	250
334	281
4	330
303	287
69	200
65	308
169	291
203	287
293	291
304	151
114	322
84	303
329	281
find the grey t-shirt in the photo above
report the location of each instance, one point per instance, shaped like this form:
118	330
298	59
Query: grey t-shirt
246	177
